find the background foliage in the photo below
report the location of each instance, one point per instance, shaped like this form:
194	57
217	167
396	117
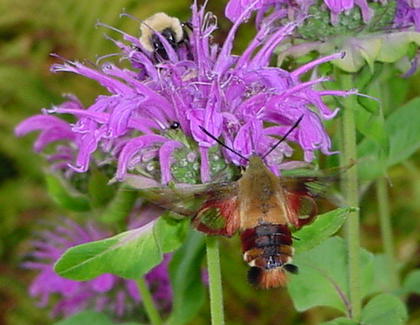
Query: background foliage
32	29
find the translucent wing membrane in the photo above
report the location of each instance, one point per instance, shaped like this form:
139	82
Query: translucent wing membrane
218	216
303	190
184	200
303	207
313	186
213	207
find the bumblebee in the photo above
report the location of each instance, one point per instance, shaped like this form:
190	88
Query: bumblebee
171	28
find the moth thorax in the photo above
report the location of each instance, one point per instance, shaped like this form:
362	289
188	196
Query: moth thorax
267	249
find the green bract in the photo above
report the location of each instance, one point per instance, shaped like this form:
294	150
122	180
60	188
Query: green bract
318	25
366	49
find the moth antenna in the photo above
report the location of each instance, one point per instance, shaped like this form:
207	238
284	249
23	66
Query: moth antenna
284	137
221	143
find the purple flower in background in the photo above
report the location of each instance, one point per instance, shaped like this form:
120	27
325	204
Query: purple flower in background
105	293
294	8
239	98
235	8
283	8
407	14
338	6
54	130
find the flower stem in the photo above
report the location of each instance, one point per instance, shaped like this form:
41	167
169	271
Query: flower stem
386	230
148	303
215	281
350	192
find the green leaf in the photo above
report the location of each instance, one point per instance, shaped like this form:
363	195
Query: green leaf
404	131
129	254
186	278
100	192
383	276
372	126
64	196
90	317
323	276
87	317
322	228
395	93
412	282
370	105
368	111
384	309
340	321
120	205
402	127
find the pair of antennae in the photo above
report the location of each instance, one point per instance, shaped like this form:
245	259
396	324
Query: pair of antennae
294	126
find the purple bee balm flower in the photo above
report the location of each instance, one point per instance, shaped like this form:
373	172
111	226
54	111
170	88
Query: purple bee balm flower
54	130
284	8
297	8
407	14
338	6
235	8
238	98
105	293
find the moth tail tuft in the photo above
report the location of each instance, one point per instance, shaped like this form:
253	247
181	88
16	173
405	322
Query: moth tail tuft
267	279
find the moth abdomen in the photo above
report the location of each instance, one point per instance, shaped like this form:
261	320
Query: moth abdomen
273	240
267	249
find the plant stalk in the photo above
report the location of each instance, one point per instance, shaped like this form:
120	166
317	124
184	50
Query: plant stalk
386	231
350	191
215	281
148	303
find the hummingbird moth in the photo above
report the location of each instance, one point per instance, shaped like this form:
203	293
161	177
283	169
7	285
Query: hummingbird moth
260	206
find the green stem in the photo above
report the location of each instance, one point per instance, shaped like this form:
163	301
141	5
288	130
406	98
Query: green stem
386	230
215	281
350	192
148	303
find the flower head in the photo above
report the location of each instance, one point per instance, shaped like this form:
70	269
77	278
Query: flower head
296	9
338	6
408	14
239	98
105	293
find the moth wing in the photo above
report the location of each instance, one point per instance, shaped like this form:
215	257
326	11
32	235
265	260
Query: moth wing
303	208
184	200
302	192
219	214
213	207
313	186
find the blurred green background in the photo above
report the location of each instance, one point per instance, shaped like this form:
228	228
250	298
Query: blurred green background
32	29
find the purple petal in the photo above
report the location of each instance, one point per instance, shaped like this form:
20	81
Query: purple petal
132	147
205	166
165	153
103	283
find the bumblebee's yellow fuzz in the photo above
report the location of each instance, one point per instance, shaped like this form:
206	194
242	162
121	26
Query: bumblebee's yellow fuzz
157	23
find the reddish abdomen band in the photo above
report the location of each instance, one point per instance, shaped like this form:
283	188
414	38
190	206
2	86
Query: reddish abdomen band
268	250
